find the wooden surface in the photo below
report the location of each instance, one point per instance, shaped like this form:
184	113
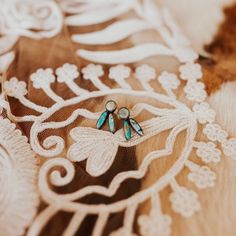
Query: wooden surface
219	206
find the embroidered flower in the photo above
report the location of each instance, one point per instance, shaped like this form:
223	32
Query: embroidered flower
190	71
168	80
42	78
119	72
229	148
186	55
145	73
155	224
203	177
203	113
15	88
98	147
214	132
185	201
92	71
208	152
195	91
67	72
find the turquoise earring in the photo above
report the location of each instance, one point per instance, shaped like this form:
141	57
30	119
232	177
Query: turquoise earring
108	114
129	123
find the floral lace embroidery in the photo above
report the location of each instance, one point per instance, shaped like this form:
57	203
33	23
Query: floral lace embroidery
184	201
34	19
100	157
99	153
119	74
18	173
202	176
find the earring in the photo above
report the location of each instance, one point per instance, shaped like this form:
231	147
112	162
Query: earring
110	108
128	122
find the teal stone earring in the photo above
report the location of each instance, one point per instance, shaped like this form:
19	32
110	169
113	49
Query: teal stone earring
108	114
128	122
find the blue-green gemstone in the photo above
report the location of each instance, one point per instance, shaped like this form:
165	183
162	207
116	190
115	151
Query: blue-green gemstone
135	125
127	130
102	119
111	123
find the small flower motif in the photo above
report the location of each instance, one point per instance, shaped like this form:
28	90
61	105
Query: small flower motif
229	148
215	133
145	73
208	152
203	177
155	224
119	72
185	202
92	71
15	88
195	91
186	55
203	113
168	80
42	78
67	72
190	71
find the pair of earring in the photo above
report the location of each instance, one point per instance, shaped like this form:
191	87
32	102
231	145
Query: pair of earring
124	114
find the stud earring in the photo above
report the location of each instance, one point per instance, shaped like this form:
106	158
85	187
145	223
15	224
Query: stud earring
108	113
128	122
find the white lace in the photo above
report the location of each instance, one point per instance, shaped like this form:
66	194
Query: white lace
30	18
18	173
98	147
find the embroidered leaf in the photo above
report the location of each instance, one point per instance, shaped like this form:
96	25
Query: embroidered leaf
152	12
99	15
127	130
97	146
100	162
111	123
136	126
130	55
113	33
102	119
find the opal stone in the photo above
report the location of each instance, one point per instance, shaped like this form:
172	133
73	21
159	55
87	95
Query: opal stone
111	106
127	130
111	123
135	125
123	113
102	119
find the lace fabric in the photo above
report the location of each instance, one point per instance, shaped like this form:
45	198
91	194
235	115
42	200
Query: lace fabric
18	176
97	148
29	18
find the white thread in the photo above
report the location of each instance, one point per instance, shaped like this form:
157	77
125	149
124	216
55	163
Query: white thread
18	172
177	118
76	220
183	200
42	79
67	74
93	72
33	19
201	176
119	73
